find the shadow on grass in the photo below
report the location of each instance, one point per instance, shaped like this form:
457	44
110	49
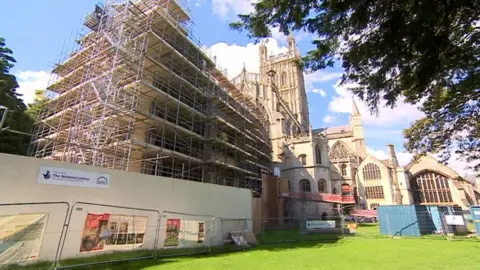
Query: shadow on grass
139	259
270	240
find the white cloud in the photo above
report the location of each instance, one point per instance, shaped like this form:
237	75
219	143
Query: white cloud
403	157
232	57
319	91
199	3
279	36
401	114
455	162
227	9
29	81
328	119
319	76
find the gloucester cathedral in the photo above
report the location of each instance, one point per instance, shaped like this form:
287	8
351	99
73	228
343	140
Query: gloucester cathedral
318	167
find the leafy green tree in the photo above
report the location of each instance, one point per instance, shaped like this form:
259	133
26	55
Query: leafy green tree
16	118
423	52
38	103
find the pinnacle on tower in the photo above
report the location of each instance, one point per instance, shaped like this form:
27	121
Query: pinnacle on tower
290	37
355	110
291	43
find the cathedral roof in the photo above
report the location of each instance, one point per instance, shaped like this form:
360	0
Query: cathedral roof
337	129
332	130
318	130
386	162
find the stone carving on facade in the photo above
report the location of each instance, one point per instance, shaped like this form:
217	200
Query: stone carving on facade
339	151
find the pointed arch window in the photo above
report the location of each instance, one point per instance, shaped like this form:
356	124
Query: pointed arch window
430	188
371	171
373	181
322	185
339	150
305	186
343	169
283	79
318	154
303	159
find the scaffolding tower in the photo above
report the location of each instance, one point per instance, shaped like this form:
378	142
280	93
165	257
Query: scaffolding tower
140	95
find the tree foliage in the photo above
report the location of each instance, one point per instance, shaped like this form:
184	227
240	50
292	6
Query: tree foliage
420	52
38	104
17	118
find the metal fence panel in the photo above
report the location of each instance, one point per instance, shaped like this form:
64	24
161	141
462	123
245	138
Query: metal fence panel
475	218
101	229
185	233
30	232
235	234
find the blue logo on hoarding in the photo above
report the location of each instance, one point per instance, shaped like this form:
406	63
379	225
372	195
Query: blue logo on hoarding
46	175
102	181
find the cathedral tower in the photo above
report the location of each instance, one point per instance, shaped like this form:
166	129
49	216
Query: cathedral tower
357	129
288	80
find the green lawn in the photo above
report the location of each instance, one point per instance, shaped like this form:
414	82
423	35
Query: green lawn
350	253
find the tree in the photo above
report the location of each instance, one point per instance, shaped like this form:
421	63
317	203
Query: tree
421	52
38	103
16	118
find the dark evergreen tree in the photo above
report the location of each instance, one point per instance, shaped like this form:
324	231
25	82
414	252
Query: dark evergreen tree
17	118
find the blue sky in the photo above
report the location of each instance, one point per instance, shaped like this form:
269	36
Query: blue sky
39	31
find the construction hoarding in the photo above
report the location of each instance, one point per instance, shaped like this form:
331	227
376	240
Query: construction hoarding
184	233
113	232
21	237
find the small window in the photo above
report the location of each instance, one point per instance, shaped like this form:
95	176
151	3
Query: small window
303	159
334	190
322	185
343	169
283	79
318	154
305	186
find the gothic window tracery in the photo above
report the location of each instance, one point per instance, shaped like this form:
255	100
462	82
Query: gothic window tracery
372	181
430	188
339	150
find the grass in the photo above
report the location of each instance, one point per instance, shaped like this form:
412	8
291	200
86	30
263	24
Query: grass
366	251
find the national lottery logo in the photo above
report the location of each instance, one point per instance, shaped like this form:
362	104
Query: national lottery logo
46	175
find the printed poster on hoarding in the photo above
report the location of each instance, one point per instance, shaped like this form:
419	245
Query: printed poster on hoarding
113	232
201	232
21	237
172	233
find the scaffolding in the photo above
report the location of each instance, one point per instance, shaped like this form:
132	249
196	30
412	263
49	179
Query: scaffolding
140	95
